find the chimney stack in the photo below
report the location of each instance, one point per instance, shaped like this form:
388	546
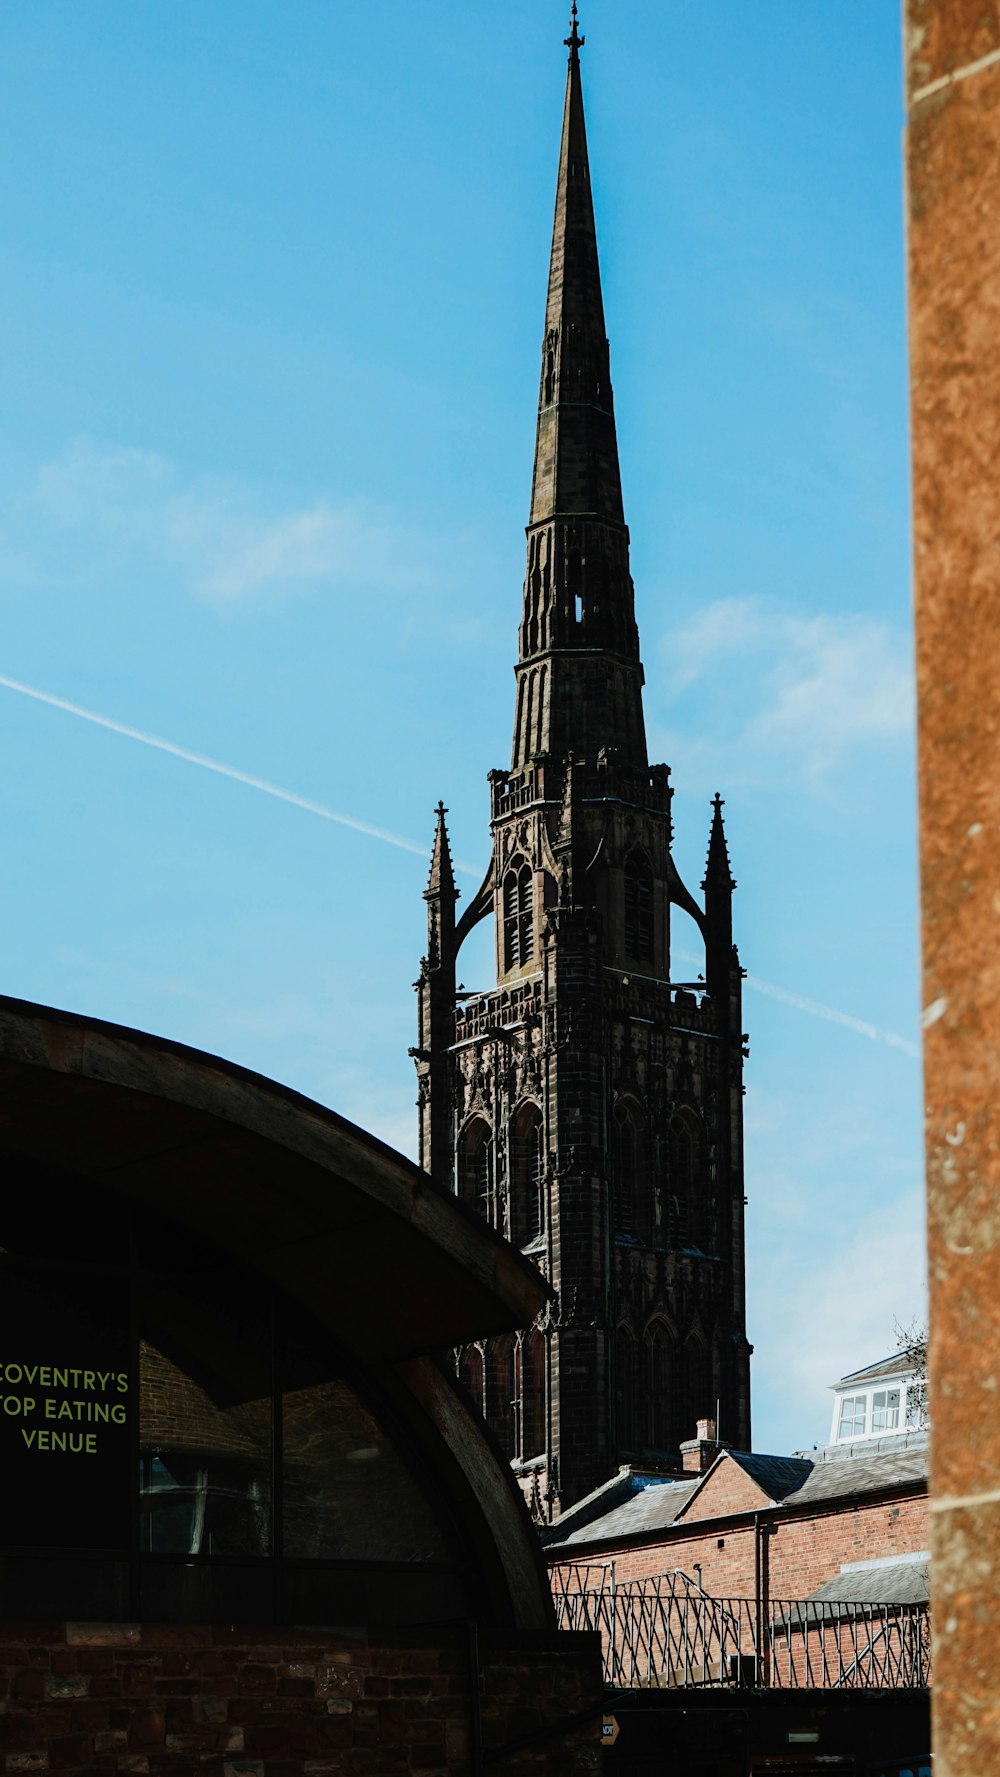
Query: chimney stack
699	1453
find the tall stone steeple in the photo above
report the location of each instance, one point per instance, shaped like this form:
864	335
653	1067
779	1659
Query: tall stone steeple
579	679
590	1106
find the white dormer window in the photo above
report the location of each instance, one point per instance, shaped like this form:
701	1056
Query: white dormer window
885	1409
884	1401
853	1416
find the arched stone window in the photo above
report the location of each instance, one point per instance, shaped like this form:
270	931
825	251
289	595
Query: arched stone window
518	916
475	1169
500	1393
629	1157
659	1365
528	1206
533	1394
625	1388
638	910
686	1181
471	1371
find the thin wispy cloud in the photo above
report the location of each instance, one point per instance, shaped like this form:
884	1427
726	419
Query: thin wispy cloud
220	534
844	1307
795	690
222	770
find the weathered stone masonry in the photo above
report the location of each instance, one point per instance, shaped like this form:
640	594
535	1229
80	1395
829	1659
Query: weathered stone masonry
590	1107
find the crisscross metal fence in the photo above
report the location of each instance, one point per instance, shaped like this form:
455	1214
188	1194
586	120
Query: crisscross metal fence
666	1631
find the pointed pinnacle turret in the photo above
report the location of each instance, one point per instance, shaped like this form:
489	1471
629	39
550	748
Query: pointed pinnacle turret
717	871
441	880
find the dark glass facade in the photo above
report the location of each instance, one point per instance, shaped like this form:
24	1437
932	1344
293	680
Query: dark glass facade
182	1442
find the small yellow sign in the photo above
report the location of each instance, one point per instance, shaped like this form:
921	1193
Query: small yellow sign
609	1731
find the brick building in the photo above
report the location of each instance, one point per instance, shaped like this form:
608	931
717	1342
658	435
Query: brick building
590	1108
783	1527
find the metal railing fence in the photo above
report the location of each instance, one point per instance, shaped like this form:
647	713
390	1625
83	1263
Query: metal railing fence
665	1631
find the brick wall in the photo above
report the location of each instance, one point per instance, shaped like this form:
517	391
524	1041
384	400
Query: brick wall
280	1702
802	1551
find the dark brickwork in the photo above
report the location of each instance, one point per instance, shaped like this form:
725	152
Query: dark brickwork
590	1107
279	1702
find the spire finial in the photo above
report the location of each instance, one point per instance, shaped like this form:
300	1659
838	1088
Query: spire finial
574	42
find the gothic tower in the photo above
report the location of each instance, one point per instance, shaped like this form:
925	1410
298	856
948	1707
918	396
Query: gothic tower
590	1107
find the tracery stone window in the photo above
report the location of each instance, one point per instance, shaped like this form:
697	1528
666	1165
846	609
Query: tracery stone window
472	1372
532	1394
501	1394
518	916
638	910
625	1388
659	1380
528	1206
626	1167
685	1217
476	1170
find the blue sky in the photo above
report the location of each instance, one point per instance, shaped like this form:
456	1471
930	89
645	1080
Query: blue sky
273	282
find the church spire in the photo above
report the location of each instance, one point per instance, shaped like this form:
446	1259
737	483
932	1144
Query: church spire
578	599
576	452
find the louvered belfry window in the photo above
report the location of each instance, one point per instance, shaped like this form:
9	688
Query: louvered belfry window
518	917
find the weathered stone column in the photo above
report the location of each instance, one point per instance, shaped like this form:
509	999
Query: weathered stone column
953	200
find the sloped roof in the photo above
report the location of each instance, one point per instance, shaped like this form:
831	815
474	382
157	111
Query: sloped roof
649	1509
622	1510
862	1474
777	1476
879	1582
898	1364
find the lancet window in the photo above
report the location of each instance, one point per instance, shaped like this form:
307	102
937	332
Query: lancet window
518	916
529	1175
638	910
475	1169
625	1388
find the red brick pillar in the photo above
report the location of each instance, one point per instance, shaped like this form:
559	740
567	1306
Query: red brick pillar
953	172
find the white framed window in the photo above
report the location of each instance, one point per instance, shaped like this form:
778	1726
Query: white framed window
853	1416
885	1409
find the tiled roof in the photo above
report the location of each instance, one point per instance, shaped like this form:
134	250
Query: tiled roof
896	1365
879	1582
653	1508
636	1506
862	1474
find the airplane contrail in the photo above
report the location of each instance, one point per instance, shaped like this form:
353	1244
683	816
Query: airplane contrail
222	770
816	1009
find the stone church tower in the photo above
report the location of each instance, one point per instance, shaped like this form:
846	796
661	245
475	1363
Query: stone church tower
590	1108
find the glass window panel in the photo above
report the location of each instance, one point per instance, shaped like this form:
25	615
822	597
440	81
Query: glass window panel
852	1416
885	1409
205	1421
50	1214
348	1493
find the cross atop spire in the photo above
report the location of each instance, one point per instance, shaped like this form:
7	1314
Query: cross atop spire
574	42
